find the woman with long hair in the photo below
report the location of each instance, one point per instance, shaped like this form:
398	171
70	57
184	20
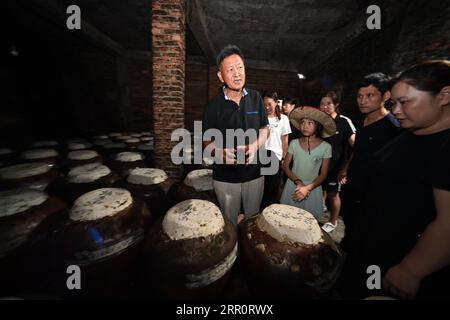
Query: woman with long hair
276	145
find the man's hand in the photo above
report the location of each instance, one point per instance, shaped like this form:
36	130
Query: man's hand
222	156
229	155
250	152
401	282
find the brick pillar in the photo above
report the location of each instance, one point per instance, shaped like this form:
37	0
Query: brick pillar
168	63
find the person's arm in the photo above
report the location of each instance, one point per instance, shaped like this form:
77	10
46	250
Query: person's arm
430	254
262	138
285	131
228	154
351	134
298	196
252	148
287	170
210	122
351	140
342	175
285	143
306	189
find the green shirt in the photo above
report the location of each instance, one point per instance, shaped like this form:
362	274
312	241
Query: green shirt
306	166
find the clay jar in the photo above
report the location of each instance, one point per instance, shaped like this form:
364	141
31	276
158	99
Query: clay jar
286	254
153	186
25	216
82	179
191	251
109	150
34	175
123	162
132	143
198	184
147	150
6	157
46	144
81	157
102	235
50	156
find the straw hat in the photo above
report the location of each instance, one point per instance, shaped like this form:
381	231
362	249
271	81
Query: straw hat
329	126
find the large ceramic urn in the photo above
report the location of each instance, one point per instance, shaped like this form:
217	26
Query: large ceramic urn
34	175
191	251
40	155
6	157
45	144
286	254
81	157
198	184
153	186
25	216
82	179
109	150
133	142
78	145
147	150
100	141
123	162
102	235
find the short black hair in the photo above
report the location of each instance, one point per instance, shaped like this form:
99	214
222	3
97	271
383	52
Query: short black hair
334	96
379	80
226	52
290	101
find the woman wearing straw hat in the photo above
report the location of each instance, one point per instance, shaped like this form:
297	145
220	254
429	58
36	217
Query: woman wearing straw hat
311	156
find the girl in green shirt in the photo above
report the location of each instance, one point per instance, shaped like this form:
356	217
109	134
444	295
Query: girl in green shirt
311	156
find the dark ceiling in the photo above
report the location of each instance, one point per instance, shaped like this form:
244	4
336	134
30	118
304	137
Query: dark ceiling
273	34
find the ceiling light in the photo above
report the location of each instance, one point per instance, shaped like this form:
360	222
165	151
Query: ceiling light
301	76
13	51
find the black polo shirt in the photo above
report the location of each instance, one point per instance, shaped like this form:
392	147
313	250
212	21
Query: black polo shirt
223	114
368	140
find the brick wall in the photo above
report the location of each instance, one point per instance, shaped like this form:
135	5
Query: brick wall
168	63
196	93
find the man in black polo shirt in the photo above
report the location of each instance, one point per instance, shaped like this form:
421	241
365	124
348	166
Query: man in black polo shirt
377	128
235	108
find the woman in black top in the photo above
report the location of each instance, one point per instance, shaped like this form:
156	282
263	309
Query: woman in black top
405	228
340	143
